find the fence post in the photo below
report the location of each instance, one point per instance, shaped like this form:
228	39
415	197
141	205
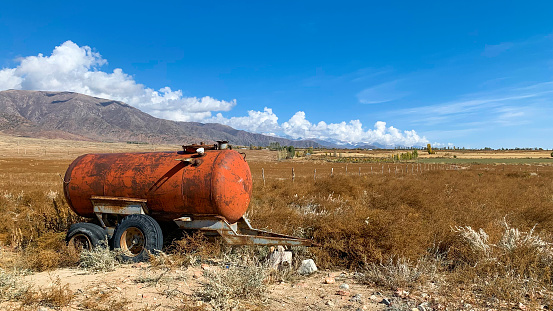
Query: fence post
332	171
263	176
346	169
315	175
360	171
293	174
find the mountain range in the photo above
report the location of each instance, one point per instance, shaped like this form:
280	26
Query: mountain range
70	115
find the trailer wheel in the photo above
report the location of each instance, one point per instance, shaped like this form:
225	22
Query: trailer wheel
87	236
137	236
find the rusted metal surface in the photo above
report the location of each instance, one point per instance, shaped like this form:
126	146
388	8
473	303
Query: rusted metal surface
119	206
239	233
217	183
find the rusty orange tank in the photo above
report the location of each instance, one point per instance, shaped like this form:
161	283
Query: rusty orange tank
174	184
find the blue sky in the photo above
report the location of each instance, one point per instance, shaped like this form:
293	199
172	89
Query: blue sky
467	73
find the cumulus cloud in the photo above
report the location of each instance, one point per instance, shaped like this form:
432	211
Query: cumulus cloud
265	122
298	127
78	69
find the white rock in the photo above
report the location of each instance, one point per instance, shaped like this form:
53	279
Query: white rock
344	286
279	257
307	267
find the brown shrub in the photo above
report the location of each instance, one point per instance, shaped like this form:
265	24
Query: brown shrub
371	218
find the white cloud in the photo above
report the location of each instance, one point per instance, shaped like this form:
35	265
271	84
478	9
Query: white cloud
265	121
298	127
77	68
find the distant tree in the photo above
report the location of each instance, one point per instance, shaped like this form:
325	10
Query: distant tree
291	152
274	146
429	149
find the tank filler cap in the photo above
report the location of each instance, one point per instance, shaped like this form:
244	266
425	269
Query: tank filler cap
222	144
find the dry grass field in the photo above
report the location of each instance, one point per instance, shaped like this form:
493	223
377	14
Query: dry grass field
447	235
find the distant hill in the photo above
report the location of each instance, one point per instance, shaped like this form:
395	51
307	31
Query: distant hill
71	115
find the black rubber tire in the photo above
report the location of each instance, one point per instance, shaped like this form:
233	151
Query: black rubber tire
143	234
88	235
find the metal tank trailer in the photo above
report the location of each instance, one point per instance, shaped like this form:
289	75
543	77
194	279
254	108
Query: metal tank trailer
129	197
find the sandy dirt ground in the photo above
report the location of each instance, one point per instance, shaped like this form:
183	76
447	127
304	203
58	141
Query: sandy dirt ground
146	288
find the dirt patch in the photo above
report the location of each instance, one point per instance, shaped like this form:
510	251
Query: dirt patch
143	287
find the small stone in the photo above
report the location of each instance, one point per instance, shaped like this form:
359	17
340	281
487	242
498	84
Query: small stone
401	293
343	293
356	298
344	286
374	298
330	303
307	267
197	274
330	280
521	306
358	275
386	301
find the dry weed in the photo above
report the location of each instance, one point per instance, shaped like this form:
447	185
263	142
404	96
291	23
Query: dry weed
191	249
238	287
99	259
57	295
103	300
515	268
12	286
400	273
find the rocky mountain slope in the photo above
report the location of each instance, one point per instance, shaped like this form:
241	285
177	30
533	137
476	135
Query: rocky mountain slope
71	115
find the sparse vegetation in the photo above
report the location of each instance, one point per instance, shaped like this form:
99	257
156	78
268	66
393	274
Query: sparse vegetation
373	220
11	286
99	259
239	287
